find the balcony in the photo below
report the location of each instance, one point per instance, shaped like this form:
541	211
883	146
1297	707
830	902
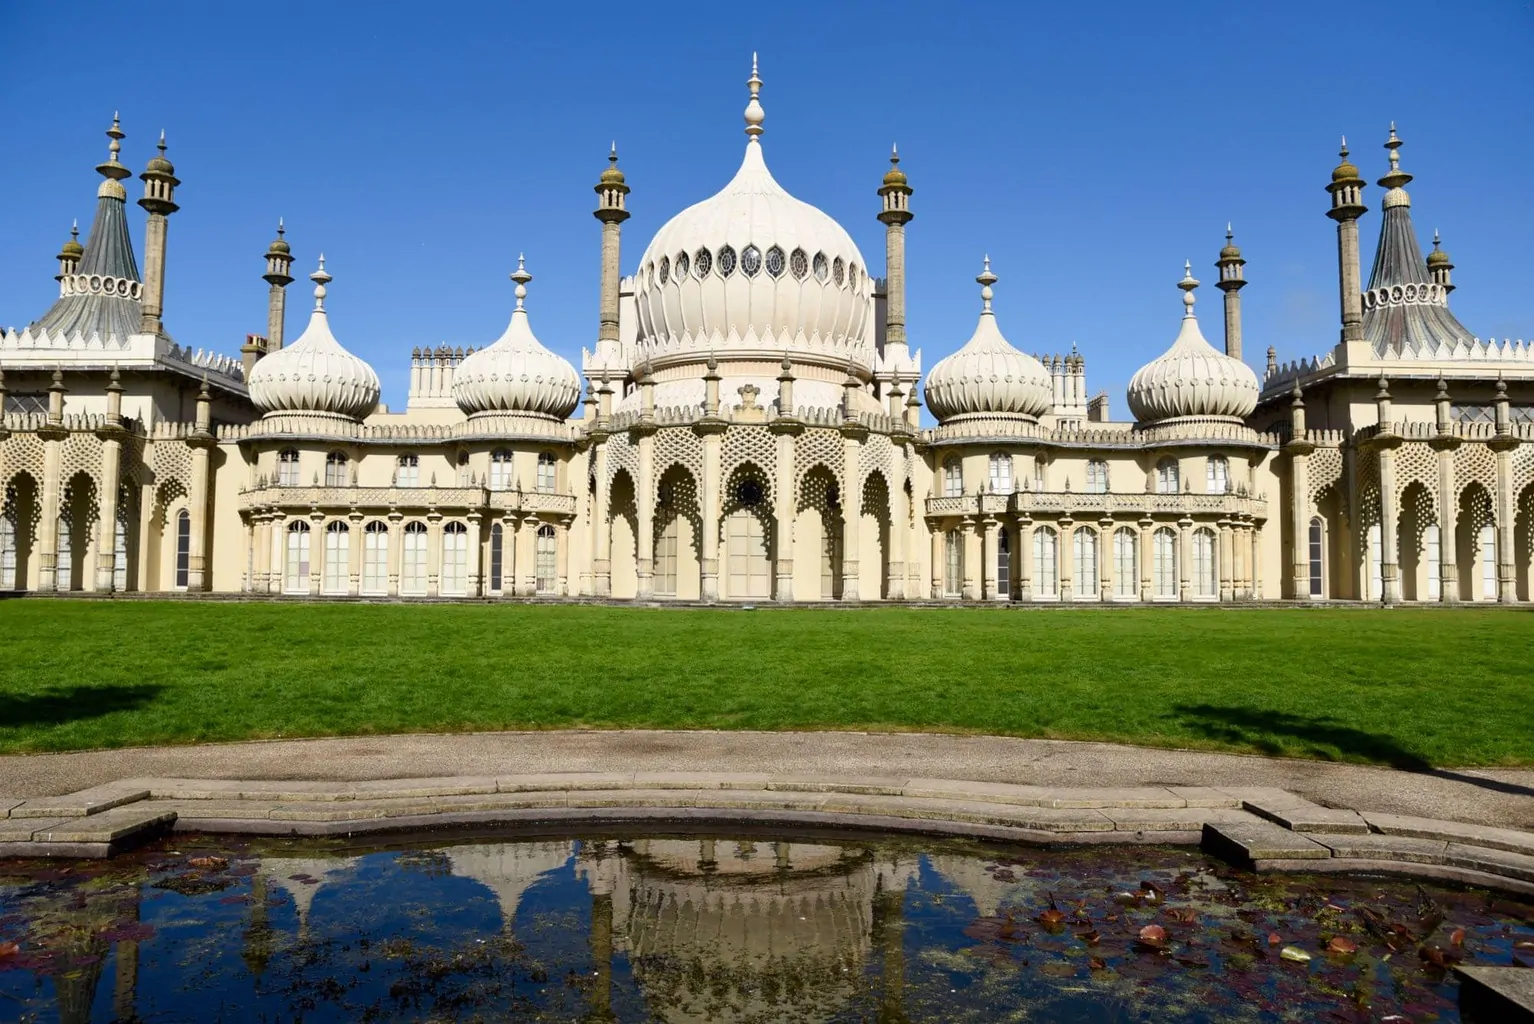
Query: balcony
1119	505
378	499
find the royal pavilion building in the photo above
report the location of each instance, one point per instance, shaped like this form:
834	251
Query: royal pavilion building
746	428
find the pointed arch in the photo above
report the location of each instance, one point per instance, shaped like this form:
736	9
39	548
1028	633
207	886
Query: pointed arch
678	541
818	531
748	527
874	535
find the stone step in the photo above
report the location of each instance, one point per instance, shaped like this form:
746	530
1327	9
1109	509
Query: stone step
1507	839
1247	842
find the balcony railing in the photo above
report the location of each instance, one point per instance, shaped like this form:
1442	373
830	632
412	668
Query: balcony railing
408	497
1080	505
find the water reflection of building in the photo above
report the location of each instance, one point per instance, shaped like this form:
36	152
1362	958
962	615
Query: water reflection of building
509	869
293	875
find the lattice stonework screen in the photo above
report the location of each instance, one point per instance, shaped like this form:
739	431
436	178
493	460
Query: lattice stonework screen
1416	463
1475	463
678	446
818	446
1325	470
749	444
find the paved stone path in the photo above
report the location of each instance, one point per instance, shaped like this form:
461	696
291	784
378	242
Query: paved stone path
1499	798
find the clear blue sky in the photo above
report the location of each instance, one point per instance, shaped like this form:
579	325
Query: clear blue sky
1089	148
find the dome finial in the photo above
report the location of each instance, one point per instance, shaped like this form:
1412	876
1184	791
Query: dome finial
754	113
281	228
1187	284
521	276
1396	177
113	170
985	279
320	279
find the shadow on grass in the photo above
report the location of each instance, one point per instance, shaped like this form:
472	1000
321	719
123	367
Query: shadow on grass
1321	738
63	705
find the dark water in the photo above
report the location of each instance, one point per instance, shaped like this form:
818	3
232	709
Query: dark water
725	929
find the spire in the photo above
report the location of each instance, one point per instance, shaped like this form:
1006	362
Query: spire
160	182
754	113
320	279
113	170
985	279
1439	265
611	189
70	253
521	276
1397	177
1188	284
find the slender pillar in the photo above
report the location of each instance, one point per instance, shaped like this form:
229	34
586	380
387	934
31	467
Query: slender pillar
899	516
53	435
475	567
396	550
111	435
939	562
279	263
991	527
1065	535
786	429
1147	558
712	429
643	436
202	442
561	559
1184	558
895	215
508	555
1025	557
316	552
527	555
1227	558
160	183
970	536
356	542
1298	447
1444	442
1503	444
853	435
433	553
612	193
1347	190
1386	441
1105	560
602	562
1231	281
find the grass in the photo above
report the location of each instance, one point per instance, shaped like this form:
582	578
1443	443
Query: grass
1410	688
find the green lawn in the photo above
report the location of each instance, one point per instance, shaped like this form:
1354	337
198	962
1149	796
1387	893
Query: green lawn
1403	687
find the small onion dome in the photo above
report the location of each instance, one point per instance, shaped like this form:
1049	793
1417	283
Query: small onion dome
988	377
1345	171
279	246
159	164
894	176
1438	258
73	250
517	374
1192	378
1232	251
315	374
612	176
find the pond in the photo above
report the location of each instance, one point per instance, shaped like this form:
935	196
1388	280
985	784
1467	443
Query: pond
726	927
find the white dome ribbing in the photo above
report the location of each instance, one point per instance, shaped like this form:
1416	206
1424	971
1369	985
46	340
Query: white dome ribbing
315	374
517	374
753	271
988	377
1192	378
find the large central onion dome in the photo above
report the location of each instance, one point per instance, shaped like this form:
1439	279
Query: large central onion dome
315	374
988	377
1193	378
517	374
752	272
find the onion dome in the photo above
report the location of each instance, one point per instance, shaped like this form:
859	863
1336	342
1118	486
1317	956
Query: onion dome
72	249
517	374
612	176
159	164
988	377
753	271
1346	170
1438	258
1193	378
894	176
279	246
1231	251
315	374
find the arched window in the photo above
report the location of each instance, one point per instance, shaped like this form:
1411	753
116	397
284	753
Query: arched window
1164	564
1487	556
1097	476
1046	564
547	559
1166	476
547	465
335	469
1317	544
407	471
183	550
296	578
1126	563
455	559
1003	563
1217	475
953	563
338	552
1205	564
1084	559
413	559
7	554
1432	550
1001	473
500	470
375	558
287	467
497	556
953	477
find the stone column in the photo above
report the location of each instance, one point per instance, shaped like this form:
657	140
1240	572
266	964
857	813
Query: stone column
712	486
939	562
476	558
356	542
561	559
852	508
1184	550
1147	558
1507	588
1227	556
198	577
644	544
1107	565
48	528
899	517
106	528
396	550
1256	562
527	556
1065	557
1025	558
508	555
992	582
1448	515
1390	569
602	563
972	558
316	551
261	553
433	553
1299	526
783	492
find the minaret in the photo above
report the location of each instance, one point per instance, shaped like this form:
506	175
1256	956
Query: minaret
69	255
895	215
160	183
1347	190
611	190
1438	266
1231	281
279	261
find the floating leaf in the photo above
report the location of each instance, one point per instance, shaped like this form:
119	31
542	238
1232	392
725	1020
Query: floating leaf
1342	944
1274	938
1052	919
1097	963
1457	937
1090	938
1183	915
8	949
214	863
1295	953
1153	935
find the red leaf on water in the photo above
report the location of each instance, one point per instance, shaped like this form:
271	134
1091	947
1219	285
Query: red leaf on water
8	949
1051	918
1153	935
1183	915
1090	938
1457	937
1274	938
1342	944
1096	963
214	863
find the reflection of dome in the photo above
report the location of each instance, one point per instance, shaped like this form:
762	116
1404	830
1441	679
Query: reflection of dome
1192	378
509	869
315	374
969	876
288	874
748	273
517	374
988	377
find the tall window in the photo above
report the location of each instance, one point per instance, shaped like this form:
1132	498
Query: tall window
1205	567
497	549
1038	473
1084	557
1433	551
500	470
546	469
1376	566
120	551
455	559
375	558
953	477
335	469
665	556
183	550
338	552
1046	564
7	554
1488	560
1097	476
287	468
547	562
1317	558
1001	474
1164	563
296	578
1217	475
1126	563
413	559
1166	476
65	561
408	471
465	474
953	563
830	562
1003	563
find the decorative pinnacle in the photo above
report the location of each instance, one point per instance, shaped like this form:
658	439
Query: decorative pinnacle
1397	177
1230	233
754	113
1187	284
894	153
521	276
1443	388
985	279
320	279
1344	151
113	168
281	228
74	231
